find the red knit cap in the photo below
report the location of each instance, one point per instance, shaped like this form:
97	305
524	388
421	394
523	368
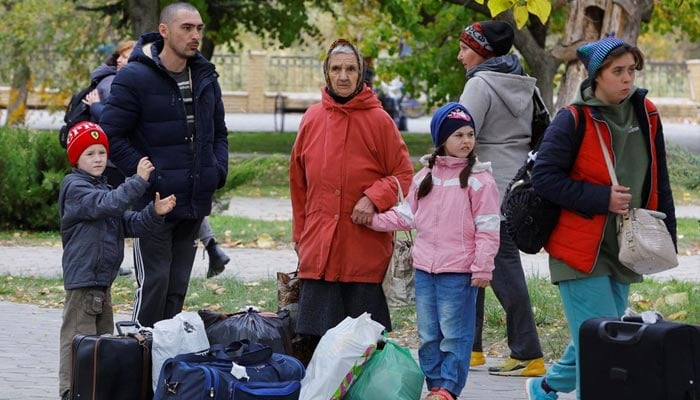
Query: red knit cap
83	135
488	38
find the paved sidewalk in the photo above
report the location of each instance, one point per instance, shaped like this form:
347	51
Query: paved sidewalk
29	359
29	348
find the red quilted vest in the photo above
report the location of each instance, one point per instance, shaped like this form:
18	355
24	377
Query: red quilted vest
576	239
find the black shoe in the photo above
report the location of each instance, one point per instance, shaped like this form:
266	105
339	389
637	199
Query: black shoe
123	271
217	259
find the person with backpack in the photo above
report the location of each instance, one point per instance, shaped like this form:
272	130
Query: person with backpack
583	248
104	74
499	96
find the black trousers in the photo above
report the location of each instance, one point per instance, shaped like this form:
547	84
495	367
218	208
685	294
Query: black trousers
163	262
510	287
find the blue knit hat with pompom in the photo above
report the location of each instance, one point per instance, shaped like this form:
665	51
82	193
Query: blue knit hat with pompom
592	54
447	119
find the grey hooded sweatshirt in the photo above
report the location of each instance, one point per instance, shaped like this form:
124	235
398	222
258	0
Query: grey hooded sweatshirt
501	104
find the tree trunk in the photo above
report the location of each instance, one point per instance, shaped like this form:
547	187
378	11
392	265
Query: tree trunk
543	66
591	20
143	15
19	93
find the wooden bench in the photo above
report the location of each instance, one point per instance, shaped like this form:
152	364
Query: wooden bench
35	99
289	102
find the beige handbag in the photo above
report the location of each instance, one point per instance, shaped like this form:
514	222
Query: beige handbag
645	244
399	281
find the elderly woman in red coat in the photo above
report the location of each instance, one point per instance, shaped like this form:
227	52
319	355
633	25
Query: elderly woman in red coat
343	163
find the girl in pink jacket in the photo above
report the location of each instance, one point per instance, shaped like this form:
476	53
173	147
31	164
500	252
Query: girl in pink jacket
453	204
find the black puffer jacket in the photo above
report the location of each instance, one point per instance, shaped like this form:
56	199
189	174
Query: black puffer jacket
94	222
145	116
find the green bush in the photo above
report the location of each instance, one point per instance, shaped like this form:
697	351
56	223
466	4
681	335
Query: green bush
31	169
683	167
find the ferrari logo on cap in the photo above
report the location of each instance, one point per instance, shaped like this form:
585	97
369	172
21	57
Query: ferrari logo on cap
95	135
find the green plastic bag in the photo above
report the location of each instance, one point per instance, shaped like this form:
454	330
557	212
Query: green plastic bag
390	373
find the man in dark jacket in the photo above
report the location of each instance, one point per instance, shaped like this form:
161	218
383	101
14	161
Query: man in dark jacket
166	104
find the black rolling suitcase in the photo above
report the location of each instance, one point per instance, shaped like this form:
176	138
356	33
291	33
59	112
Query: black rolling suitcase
112	367
623	360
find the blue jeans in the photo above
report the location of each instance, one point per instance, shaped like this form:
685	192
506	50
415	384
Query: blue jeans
599	296
445	309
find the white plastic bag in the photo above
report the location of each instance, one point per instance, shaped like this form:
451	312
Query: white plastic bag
339	358
184	333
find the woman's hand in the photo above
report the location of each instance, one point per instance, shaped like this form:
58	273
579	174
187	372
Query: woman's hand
619	199
92	97
363	212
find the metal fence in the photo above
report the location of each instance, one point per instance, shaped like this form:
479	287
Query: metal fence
664	79
305	74
294	74
230	69
284	73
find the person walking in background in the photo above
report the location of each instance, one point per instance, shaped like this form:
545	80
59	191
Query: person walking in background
583	248
166	104
94	221
499	96
341	172
454	206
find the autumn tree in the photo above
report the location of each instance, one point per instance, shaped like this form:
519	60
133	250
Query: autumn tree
47	45
280	23
432	27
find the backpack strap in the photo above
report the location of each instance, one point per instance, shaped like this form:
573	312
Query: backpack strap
579	115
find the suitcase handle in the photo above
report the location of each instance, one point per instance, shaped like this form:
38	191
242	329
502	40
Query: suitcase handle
126	324
621	332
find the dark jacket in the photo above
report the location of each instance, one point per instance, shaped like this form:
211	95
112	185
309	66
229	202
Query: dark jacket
145	116
104	74
94	222
584	193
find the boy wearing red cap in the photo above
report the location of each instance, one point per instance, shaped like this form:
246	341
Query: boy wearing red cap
94	221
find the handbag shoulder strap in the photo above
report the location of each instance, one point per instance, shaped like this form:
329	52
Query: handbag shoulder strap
611	170
606	155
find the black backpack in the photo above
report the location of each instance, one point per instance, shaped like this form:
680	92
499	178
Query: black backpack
76	111
530	218
540	119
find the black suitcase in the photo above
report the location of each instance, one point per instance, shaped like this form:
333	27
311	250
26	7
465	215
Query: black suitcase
632	360
111	367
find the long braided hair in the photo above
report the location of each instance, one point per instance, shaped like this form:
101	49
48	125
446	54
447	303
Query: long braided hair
427	183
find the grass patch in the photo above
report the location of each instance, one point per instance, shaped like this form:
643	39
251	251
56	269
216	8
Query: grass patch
246	232
260	143
688	232
676	300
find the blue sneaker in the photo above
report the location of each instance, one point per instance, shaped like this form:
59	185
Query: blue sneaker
533	387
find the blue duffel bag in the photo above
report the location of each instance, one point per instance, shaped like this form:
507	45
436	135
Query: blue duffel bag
241	371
